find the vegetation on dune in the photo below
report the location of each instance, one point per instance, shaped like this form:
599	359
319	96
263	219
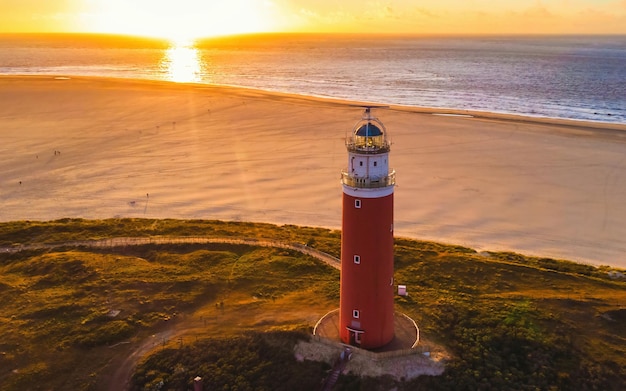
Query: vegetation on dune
255	361
513	323
62	310
27	232
70	315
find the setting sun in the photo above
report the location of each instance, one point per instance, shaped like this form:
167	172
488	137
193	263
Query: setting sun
181	20
185	19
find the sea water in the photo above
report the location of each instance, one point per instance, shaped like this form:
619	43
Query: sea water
571	77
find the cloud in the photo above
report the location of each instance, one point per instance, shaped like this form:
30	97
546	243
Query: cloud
39	7
594	21
538	11
35	15
349	16
375	10
328	20
424	12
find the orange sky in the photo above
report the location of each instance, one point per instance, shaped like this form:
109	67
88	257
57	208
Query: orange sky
194	18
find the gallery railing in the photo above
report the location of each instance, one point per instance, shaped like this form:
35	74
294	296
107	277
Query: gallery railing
368	183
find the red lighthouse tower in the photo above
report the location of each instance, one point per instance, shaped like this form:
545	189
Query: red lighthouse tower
366	312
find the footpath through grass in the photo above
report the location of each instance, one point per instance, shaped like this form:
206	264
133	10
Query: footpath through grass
69	316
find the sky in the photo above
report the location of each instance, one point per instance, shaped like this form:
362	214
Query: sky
200	18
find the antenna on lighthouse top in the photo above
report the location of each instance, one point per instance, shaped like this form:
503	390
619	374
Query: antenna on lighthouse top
367	112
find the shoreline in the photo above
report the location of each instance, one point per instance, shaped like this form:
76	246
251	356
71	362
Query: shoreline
522	118
157	149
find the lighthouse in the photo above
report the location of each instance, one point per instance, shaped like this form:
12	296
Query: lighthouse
366	310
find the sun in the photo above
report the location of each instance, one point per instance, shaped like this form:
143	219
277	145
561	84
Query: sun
181	20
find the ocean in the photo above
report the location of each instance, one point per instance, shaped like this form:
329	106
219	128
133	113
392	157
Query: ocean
570	77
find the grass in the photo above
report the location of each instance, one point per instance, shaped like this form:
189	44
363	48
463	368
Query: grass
509	321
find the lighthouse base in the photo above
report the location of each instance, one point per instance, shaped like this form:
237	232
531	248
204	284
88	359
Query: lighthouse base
406	331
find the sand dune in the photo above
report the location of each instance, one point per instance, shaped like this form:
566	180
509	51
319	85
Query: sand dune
99	148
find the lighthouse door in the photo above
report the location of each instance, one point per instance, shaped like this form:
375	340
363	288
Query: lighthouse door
355	336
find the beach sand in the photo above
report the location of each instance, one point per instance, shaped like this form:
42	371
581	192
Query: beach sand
101	148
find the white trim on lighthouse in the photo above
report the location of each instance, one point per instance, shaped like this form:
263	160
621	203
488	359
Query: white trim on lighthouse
368	193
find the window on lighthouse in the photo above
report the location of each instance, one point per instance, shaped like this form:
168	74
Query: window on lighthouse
355	314
357	204
357	259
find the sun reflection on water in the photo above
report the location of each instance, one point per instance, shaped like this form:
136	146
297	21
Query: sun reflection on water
181	63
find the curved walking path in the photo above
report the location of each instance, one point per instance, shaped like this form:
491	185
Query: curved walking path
122	375
141	240
121	378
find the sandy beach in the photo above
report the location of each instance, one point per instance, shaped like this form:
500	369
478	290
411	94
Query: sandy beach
101	148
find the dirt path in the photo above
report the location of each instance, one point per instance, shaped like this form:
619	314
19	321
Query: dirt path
138	241
121	377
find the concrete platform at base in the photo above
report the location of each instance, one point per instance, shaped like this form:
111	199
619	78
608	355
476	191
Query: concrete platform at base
406	331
